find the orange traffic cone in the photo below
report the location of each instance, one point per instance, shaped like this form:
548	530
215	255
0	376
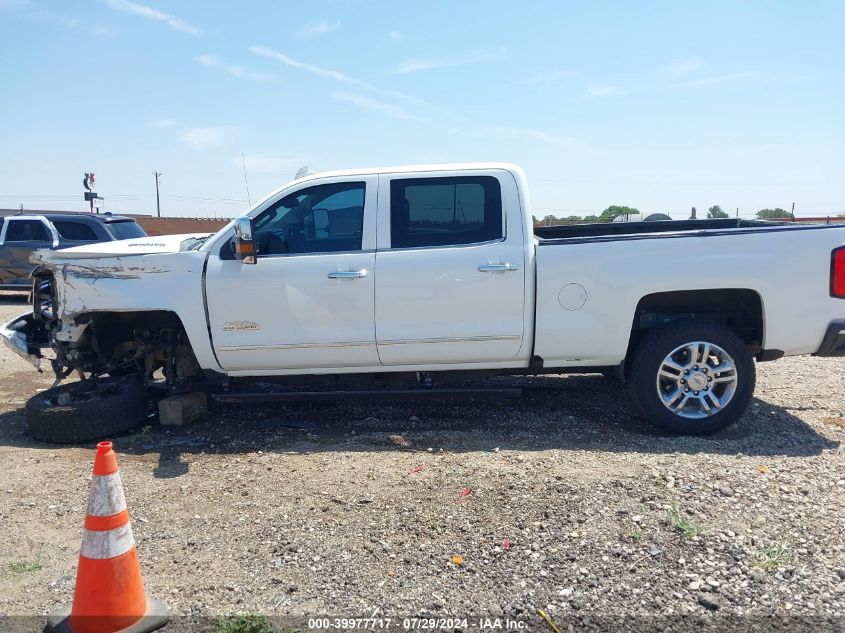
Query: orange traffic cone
109	596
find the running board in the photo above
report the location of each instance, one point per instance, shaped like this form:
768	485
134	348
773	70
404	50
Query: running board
392	394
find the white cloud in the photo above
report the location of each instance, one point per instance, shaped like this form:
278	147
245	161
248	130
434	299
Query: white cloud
338	76
390	109
680	69
720	79
161	123
310	68
431	63
71	23
268	165
54	17
605	91
395	35
103	31
315	29
766	148
527	133
177	24
211	61
542	78
201	138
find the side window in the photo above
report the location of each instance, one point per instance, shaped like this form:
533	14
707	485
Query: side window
27	231
75	231
445	211
319	219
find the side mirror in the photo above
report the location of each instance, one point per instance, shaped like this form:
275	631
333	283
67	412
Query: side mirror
243	245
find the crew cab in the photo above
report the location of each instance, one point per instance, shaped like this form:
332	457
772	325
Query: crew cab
422	270
21	235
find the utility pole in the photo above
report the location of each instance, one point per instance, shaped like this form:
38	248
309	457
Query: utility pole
157	174
246	182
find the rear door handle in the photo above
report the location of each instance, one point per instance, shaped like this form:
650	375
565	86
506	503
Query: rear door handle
348	274
497	268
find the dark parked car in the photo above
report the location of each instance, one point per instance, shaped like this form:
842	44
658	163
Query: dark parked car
20	235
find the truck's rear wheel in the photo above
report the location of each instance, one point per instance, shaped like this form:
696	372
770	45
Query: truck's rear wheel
83	412
692	378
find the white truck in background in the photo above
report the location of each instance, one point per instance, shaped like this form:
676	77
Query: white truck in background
417	271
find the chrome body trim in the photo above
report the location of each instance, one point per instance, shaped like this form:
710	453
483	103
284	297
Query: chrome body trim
458	339
261	348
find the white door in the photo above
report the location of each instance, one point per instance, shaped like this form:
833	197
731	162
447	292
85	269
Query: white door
450	282
308	301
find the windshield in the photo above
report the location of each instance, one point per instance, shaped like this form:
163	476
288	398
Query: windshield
125	230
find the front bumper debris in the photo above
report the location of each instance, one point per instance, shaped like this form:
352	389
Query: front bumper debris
14	335
833	343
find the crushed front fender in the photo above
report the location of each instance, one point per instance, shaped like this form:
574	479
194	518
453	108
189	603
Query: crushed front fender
16	334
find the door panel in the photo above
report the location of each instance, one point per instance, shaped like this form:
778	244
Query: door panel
449	303
286	312
296	308
435	306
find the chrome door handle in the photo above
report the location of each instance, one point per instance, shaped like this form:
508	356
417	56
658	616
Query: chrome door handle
348	274
497	268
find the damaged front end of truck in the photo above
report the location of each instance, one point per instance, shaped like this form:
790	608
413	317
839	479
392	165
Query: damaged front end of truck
104	315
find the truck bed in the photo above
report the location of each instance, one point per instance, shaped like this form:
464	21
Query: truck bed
611	229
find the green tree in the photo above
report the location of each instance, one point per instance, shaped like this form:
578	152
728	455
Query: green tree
773	214
614	211
716	212
549	219
591	218
573	218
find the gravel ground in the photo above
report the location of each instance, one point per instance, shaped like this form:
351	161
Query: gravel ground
563	500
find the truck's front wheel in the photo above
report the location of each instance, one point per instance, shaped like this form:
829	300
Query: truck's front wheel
83	411
692	378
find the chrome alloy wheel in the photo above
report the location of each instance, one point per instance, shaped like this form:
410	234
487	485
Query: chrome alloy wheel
697	380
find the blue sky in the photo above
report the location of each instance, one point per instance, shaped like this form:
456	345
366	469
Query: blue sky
658	105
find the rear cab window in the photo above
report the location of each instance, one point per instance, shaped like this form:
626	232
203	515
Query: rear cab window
125	230
75	231
445	211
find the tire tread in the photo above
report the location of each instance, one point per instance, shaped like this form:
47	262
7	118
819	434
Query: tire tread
104	416
659	342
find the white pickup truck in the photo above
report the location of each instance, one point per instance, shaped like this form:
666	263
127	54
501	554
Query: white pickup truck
413	271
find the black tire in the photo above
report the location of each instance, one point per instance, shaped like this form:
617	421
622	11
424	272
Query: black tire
94	413
657	345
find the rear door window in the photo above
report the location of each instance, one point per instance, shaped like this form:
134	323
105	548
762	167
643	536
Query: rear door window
125	230
75	231
27	231
445	211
